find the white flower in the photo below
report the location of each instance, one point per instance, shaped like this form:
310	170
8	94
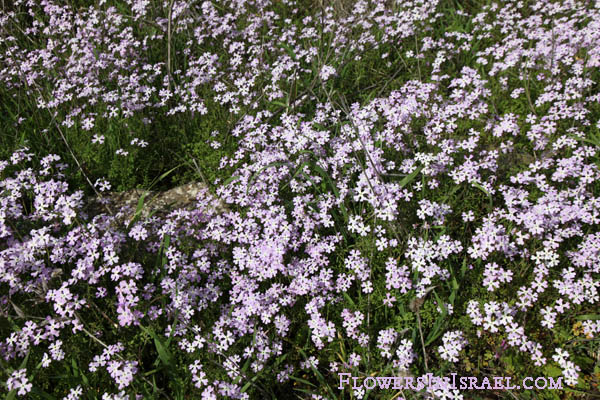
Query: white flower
98	139
326	72
18	380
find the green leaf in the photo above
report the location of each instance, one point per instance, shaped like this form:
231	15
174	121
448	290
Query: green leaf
166	241
161	259
281	359
24	362
152	372
75	368
489	196
588	316
441	304
463	268
436	331
349	300
410	177
163	176
320	377
138	210
164	354
78	372
305	391
41	393
230	180
245	367
263	371
451	192
552	371
250	382
302	381
279	103
454	291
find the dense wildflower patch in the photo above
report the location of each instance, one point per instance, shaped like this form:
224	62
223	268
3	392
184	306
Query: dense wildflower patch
410	188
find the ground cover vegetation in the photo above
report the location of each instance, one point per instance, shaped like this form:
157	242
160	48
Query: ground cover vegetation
411	187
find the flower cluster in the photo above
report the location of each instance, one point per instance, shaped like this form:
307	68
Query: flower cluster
570	370
478	169
385	341
122	372
453	343
18	381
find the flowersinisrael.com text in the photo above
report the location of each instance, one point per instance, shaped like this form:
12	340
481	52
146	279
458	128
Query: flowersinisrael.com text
451	382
